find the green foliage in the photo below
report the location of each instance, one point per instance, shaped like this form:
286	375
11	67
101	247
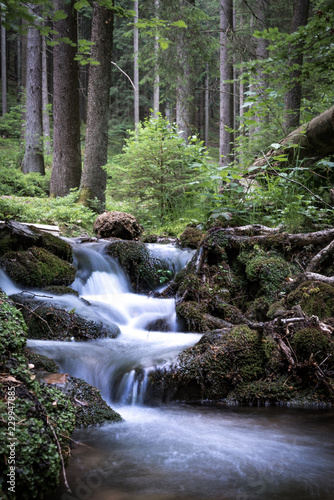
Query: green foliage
57	211
10	123
158	169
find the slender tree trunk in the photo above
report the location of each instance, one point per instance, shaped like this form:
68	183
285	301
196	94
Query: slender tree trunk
206	107
226	85
261	50
66	171
19	68
45	94
135	65
33	160
293	97
3	68
184	90
94	178
156	89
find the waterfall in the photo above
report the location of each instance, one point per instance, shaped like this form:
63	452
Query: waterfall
149	338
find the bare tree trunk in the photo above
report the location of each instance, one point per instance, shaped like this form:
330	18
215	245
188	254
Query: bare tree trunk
33	160
226	85
66	171
156	88
94	178
206	107
3	68
45	98
135	65
184	90
294	95
261	51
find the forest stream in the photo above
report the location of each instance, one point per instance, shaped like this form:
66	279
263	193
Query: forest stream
174	451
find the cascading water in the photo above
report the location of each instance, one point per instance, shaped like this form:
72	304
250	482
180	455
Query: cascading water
118	367
174	452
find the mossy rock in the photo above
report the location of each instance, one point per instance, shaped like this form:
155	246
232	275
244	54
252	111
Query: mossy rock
47	322
37	268
90	408
138	263
266	272
312	343
219	362
195	317
272	390
191	237
314	297
41	362
15	236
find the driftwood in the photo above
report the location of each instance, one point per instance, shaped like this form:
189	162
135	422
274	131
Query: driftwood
312	140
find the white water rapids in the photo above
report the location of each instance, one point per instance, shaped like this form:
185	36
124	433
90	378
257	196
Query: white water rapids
173	452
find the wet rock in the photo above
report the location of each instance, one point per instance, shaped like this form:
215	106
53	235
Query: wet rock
47	322
15	236
37	268
141	267
117	224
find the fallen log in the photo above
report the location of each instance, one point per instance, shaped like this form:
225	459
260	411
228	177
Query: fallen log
312	140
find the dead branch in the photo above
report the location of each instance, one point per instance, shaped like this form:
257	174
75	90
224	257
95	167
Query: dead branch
319	277
317	259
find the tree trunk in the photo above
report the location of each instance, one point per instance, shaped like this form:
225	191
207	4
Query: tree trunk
184	89
206	107
135	65
315	140
293	96
156	88
226	85
3	69
94	178
66	171
33	160
45	98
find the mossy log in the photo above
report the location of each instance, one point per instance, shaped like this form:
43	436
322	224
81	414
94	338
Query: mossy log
312	140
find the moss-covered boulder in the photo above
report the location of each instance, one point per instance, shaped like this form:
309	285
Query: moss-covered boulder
37	268
312	344
48	322
15	236
195	318
265	271
314	297
218	363
191	237
117	225
143	269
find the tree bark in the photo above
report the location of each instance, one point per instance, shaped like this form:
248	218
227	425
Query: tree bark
3	68
156	85
66	171
315	140
45	99
184	89
94	177
33	160
293	96
226	87
135	65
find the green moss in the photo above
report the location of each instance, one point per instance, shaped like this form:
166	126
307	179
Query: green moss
312	342
57	246
265	271
37	461
37	268
314	297
271	390
191	237
220	361
48	322
137	262
90	408
41	362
